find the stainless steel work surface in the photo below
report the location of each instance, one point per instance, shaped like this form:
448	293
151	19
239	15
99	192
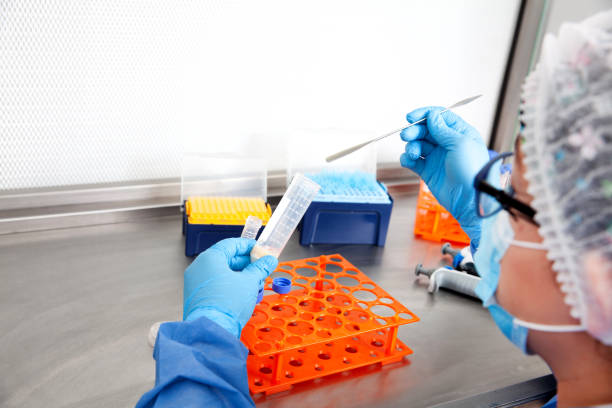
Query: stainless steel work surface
76	306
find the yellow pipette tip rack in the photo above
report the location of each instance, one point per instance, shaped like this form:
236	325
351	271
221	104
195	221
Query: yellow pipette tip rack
225	210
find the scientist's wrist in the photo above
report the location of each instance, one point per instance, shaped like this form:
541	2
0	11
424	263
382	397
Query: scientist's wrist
222	319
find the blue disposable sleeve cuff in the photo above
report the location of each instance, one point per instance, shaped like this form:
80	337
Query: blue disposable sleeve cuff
222	319
198	363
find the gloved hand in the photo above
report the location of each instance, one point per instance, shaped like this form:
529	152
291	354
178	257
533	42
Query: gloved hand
222	284
453	153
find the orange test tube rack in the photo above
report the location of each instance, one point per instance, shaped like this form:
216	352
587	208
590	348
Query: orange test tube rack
433	222
334	319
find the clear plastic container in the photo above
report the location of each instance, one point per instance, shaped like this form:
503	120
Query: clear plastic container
251	227
286	217
303	158
338	178
222	175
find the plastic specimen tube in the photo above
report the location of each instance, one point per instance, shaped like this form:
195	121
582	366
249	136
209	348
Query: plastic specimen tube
251	227
286	217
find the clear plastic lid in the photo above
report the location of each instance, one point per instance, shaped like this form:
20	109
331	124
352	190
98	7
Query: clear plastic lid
351	178
205	175
306	158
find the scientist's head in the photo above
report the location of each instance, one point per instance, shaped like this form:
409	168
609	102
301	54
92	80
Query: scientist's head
546	250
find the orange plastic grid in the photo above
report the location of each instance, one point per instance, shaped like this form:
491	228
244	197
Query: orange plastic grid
334	319
433	222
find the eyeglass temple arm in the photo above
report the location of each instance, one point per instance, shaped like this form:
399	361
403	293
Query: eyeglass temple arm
507	201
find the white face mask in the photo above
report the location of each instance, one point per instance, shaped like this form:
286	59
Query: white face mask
497	236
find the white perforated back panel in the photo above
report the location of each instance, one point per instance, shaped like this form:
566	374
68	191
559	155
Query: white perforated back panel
91	91
101	91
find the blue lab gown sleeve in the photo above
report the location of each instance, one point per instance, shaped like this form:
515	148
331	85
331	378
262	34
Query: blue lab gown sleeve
198	364
552	403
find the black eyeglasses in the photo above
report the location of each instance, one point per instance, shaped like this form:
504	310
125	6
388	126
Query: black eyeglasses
494	191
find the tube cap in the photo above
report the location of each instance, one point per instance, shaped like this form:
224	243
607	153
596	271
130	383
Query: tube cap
281	285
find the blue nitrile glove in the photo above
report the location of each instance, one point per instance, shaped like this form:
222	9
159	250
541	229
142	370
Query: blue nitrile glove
453	153
222	284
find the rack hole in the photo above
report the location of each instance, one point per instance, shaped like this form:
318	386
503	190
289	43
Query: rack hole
265	370
270	334
347	281
385	300
377	343
328	322
283	310
324	356
301	350
257	382
356	315
306	316
258	317
368	286
333	268
262	347
329	344
334	310
301	280
383	311
285	275
313	263
296	362
381	321
380	333
294	339
318	367
287	267
300	328
351	272
345	290
298	290
339	300
405	316
324	333
365	295
346	360
307	272
373	354
350	349
399	348
288	374
352	326
289	299
311	305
